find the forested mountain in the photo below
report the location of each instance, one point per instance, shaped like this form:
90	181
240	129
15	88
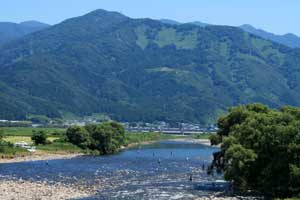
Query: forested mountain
170	21
173	22
10	31
289	39
142	69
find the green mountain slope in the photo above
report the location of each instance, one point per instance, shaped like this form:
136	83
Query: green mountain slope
288	39
142	69
11	31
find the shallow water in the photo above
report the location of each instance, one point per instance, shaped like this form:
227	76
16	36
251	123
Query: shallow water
157	171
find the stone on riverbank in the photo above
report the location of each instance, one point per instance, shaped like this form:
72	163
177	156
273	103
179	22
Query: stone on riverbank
26	190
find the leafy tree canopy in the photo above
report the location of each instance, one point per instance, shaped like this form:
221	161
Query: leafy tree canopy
106	138
260	149
39	137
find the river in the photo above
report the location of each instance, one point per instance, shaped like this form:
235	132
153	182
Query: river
157	171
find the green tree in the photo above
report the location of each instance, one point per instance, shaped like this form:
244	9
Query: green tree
260	149
1	134
102	140
39	137
106	138
79	136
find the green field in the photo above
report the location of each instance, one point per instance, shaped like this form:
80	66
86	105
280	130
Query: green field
144	137
27	131
23	134
14	139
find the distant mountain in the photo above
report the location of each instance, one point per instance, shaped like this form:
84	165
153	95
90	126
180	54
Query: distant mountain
34	24
201	24
289	39
143	70
170	21
173	22
11	31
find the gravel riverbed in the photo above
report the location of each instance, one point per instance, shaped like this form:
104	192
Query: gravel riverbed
26	190
159	171
36	157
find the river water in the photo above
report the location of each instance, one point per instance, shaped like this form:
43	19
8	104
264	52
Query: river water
158	171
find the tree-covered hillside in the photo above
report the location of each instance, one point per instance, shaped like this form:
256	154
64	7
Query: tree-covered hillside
142	69
288	39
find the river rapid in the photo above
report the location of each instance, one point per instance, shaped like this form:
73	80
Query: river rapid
163	170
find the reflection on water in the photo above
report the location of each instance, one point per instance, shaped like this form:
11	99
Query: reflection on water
166	170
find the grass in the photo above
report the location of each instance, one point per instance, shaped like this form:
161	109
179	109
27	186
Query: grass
169	36
27	131
293	199
60	147
202	136
7	150
14	139
142	40
23	134
145	137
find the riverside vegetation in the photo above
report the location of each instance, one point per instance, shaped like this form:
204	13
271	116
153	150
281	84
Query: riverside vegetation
108	137
104	138
7	148
260	150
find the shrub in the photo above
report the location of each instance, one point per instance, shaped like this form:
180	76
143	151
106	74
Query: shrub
39	137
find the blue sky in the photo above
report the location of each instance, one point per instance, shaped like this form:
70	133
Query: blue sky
278	16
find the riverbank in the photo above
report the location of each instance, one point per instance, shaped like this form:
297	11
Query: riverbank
21	189
40	157
58	148
205	142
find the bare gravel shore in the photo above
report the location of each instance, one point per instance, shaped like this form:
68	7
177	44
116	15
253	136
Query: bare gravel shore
35	157
191	140
26	190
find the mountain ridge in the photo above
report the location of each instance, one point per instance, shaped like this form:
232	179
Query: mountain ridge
143	70
288	39
10	31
